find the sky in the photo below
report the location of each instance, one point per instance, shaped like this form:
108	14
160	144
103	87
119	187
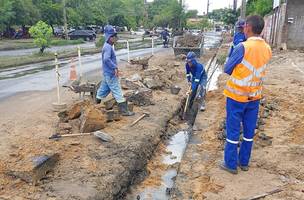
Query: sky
201	5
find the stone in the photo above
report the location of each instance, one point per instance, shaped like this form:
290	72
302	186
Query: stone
34	169
75	110
136	77
261	128
175	89
141	97
153	71
176	64
129	85
63	116
153	83
92	120
64	126
109	103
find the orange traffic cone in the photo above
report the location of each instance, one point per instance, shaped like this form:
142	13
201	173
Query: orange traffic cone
73	74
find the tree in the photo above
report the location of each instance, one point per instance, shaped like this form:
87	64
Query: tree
191	14
50	11
42	33
26	13
226	15
259	7
6	13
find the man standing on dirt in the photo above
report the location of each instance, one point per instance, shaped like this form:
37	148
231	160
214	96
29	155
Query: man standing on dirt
110	81
246	68
196	76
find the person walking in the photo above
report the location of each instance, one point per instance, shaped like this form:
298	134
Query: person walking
110	81
246	67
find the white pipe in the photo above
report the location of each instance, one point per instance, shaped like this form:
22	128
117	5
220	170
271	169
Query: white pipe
57	77
152	45
79	61
128	49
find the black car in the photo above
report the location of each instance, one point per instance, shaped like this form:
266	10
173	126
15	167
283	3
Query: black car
87	35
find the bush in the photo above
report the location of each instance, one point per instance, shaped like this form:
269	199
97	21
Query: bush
100	42
42	34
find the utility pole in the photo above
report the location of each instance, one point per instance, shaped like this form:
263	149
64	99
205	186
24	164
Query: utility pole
208	4
234	5
65	20
243	9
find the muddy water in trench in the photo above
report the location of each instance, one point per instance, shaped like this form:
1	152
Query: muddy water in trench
163	167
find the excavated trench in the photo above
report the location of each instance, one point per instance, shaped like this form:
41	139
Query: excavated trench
158	179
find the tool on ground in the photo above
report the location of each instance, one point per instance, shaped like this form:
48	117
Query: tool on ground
100	135
265	194
187	102
146	114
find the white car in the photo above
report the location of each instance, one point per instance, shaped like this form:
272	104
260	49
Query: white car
138	32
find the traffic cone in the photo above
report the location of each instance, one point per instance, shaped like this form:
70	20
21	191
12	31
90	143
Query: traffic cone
73	74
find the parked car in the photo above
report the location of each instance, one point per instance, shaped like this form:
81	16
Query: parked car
87	35
58	31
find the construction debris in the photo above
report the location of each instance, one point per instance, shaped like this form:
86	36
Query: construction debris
189	40
141	97
91	120
34	169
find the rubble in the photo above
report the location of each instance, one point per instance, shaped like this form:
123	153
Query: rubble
34	169
130	85
153	83
188	40
141	97
91	120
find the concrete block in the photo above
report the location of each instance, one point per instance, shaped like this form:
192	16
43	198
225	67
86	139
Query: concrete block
34	169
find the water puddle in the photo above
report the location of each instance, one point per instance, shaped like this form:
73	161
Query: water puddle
168	158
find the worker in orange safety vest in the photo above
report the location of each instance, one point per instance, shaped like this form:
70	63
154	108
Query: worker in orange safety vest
246	67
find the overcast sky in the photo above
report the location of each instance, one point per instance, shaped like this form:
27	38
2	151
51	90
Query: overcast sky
201	5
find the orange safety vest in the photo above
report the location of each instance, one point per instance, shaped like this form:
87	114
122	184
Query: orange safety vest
245	83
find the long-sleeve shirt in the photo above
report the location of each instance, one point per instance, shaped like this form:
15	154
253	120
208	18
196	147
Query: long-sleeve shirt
237	39
109	62
235	58
198	73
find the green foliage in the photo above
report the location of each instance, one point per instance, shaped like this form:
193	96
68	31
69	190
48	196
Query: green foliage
259	7
191	13
204	23
100	42
42	33
226	15
6	13
62	42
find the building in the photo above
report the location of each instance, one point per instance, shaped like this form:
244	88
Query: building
285	26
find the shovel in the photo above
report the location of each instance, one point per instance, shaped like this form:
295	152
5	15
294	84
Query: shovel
100	135
187	102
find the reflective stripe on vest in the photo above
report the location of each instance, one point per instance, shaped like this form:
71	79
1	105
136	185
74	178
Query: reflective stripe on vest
247	81
241	93
196	80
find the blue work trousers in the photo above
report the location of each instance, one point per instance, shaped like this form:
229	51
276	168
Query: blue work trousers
110	84
237	113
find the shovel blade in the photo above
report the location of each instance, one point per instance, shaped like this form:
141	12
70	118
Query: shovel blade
103	136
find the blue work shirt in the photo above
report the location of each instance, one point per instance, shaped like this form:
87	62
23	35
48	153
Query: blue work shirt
198	73
237	39
109	62
235	59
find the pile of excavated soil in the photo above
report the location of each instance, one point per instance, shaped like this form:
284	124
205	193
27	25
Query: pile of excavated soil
188	40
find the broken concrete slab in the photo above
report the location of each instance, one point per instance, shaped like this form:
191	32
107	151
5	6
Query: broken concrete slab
92	120
130	85
34	169
141	97
109	103
136	77
74	111
153	83
153	71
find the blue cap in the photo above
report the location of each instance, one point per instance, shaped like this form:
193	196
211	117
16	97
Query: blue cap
190	56
240	23
109	31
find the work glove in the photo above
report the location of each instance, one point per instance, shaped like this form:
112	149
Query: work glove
189	79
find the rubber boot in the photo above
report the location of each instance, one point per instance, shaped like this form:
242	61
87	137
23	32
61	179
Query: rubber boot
124	110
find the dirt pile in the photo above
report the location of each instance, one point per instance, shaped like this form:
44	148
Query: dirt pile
189	40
